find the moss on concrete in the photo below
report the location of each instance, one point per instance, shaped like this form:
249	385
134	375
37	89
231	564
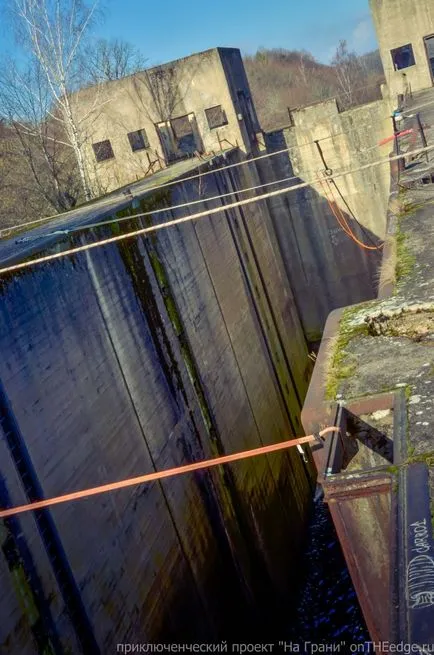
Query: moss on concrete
426	458
405	260
157	200
409	208
343	365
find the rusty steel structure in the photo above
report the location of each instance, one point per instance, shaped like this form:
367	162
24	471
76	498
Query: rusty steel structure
381	513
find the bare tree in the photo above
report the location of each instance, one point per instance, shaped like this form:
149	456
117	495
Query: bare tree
53	33
46	128
4	148
305	59
111	60
26	185
163	85
37	144
350	74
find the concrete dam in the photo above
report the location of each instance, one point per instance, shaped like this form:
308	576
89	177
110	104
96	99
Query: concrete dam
179	345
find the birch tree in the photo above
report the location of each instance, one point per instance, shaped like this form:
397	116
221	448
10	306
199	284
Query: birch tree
53	33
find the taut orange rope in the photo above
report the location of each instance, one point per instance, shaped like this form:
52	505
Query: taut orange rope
159	475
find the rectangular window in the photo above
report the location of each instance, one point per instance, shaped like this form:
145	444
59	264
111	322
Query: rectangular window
429	44
216	117
181	127
138	140
103	150
403	57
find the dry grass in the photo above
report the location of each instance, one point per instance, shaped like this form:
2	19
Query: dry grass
387	273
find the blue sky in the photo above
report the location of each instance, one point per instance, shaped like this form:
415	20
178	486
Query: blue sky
177	28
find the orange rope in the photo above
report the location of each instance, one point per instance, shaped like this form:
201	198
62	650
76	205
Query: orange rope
344	223
193	217
395	136
342	220
332	208
159	475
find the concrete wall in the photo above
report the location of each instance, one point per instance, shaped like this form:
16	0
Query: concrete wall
155	352
239	88
139	356
184	87
325	267
398	23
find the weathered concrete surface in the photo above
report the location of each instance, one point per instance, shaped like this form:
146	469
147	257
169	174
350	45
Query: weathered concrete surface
183	88
138	357
147	354
398	23
380	348
403	323
325	267
96	210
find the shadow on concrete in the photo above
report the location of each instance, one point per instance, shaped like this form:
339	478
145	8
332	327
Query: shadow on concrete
326	268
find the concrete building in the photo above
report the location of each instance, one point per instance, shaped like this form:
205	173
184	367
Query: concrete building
405	31
136	125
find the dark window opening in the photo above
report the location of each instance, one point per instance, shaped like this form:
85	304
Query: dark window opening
184	134
181	127
138	140
216	117
429	44
403	57
179	137
103	150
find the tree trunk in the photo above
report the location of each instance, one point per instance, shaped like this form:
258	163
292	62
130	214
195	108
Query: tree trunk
75	143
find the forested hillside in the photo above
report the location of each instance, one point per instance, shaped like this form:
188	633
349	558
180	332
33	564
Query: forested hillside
291	78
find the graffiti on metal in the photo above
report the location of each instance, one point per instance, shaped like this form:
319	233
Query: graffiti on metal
420	569
419	581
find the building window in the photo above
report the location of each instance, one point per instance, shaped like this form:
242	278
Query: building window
181	127
103	150
216	117
138	140
403	57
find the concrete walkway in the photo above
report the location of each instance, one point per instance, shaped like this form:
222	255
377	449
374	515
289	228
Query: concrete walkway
398	348
16	247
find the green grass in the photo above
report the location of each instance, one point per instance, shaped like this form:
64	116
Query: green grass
405	260
343	365
426	458
409	209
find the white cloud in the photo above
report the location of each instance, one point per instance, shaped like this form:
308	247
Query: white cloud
359	34
362	36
